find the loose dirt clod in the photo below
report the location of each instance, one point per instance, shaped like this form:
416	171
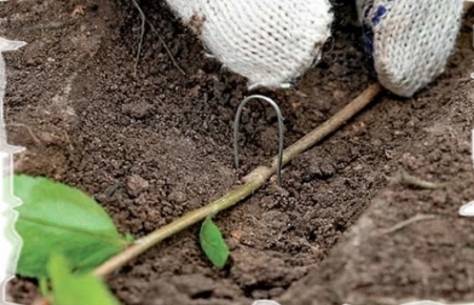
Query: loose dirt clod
196	23
136	185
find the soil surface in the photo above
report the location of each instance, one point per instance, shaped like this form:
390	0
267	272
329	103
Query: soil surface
151	144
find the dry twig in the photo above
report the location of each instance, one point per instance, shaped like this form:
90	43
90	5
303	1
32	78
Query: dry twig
144	21
29	130
406	223
142	35
167	48
406	179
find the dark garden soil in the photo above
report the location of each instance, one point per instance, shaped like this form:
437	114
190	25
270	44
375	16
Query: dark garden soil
154	144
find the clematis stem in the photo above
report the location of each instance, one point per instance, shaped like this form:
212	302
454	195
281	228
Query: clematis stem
252	182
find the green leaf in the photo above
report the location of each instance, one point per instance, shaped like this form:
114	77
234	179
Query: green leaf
213	244
56	218
73	289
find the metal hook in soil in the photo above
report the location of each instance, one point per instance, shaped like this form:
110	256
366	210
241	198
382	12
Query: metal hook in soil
280	130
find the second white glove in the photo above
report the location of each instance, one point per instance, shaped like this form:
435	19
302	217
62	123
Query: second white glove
271	42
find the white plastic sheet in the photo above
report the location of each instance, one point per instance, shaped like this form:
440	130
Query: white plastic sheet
9	240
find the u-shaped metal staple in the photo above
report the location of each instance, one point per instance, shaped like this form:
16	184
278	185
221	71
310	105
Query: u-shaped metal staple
280	130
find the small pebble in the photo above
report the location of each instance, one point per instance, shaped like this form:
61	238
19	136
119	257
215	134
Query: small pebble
136	185
137	110
467	210
177	196
31	54
324	170
265	302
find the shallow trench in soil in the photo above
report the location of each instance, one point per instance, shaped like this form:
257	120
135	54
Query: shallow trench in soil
152	144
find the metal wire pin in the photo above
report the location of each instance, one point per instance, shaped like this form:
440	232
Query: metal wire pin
280	130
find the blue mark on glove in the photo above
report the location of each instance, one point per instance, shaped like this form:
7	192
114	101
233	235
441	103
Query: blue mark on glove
373	16
379	13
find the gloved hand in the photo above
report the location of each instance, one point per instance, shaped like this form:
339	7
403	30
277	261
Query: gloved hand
271	42
410	41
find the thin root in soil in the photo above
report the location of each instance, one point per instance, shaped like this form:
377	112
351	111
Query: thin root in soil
406	223
145	21
404	178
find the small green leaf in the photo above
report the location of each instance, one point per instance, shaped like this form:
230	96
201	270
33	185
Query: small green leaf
213	244
57	218
73	289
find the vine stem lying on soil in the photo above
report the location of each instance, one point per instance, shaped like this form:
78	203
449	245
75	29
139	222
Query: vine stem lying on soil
252	182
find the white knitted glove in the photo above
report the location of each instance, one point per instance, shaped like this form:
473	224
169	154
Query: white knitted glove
410	40
271	42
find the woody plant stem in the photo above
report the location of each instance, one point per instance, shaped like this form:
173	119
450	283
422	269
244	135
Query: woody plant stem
252	182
